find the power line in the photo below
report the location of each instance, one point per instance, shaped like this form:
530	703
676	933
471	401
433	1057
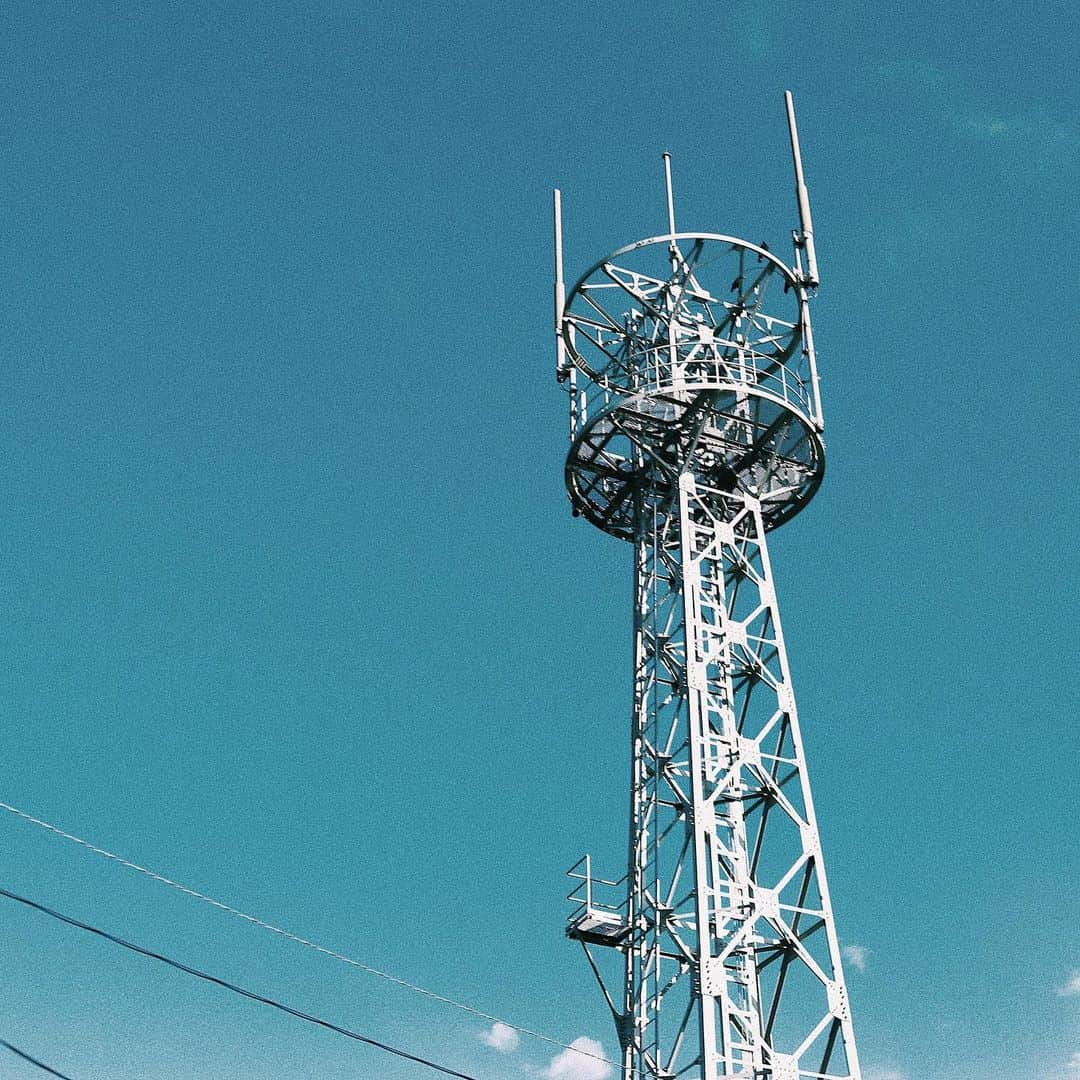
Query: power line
33	1060
295	938
250	994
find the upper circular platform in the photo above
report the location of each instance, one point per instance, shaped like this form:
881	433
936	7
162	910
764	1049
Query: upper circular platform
691	298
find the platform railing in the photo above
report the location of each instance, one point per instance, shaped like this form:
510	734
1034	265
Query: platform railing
654	372
594	898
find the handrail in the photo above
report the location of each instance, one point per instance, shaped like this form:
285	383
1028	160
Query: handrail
747	369
588	901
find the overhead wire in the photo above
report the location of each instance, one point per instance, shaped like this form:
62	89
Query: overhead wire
32	1060
295	938
225	984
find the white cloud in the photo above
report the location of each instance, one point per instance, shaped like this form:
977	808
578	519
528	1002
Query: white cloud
1074	1062
1072	987
856	956
501	1037
883	1074
579	1062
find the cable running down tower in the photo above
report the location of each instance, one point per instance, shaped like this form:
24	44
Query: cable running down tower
695	427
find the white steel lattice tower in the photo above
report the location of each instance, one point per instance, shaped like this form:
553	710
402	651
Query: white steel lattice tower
695	427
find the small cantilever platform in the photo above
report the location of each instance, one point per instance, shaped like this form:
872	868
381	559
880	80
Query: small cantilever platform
593	921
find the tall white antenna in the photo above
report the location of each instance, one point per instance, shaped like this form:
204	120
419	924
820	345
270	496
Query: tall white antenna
670	196
560	288
806	222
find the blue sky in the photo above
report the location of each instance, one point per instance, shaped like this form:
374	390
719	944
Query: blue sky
294	608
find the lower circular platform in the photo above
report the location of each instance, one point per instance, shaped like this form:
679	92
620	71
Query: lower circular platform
732	438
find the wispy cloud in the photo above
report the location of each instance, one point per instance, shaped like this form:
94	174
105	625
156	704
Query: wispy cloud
501	1037
857	956
576	1063
1071	987
883	1074
1028	139
751	27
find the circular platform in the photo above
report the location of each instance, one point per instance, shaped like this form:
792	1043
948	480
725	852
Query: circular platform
731	438
639	316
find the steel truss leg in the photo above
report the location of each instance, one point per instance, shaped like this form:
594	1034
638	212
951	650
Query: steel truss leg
732	925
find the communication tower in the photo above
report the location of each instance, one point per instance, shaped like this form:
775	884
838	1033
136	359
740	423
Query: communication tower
695	427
